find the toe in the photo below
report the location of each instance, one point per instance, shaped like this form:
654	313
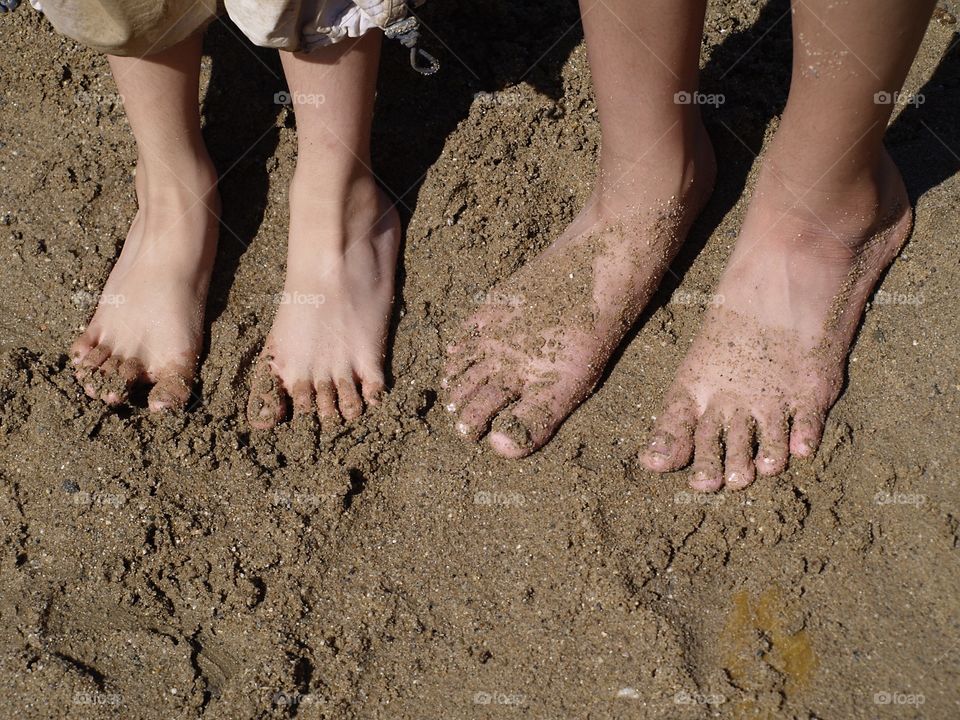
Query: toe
92	360
528	425
772	452
485	403
348	399
81	346
739	470
86	372
110	386
326	399
466	385
805	432
671	442
707	468
458	365
372	383
172	389
302	397
267	404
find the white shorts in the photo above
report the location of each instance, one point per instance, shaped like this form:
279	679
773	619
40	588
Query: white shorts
144	27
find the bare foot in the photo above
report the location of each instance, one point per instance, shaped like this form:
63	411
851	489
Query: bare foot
536	349
149	320
769	360
327	344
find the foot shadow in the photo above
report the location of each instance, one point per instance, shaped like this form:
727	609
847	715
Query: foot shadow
482	47
924	139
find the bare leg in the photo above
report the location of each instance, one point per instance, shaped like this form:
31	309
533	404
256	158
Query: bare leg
532	359
828	215
326	347
149	319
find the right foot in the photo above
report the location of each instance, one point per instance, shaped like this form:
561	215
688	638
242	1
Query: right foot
326	349
149	319
537	348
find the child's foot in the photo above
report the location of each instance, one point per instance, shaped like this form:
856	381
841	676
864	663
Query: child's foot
327	344
536	349
149	320
769	360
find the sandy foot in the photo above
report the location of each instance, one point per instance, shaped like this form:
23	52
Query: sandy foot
149	320
768	363
326	348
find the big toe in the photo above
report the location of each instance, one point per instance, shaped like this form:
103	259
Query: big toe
489	399
526	427
172	389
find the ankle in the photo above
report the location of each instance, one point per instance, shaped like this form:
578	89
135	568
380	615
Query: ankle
188	178
671	167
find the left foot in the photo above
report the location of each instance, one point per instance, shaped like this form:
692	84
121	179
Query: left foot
769	360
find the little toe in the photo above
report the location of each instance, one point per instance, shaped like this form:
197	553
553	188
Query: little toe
348	399
739	470
267	404
773	442
372	383
805	432
172	389
670	446
707	467
486	402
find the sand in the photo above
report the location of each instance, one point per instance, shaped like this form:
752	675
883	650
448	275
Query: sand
171	567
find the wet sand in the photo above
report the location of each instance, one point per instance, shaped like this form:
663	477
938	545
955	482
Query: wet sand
184	565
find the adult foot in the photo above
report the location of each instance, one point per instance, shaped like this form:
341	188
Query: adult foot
327	344
537	347
148	325
768	362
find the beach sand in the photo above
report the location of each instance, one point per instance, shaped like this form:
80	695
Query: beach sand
173	566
